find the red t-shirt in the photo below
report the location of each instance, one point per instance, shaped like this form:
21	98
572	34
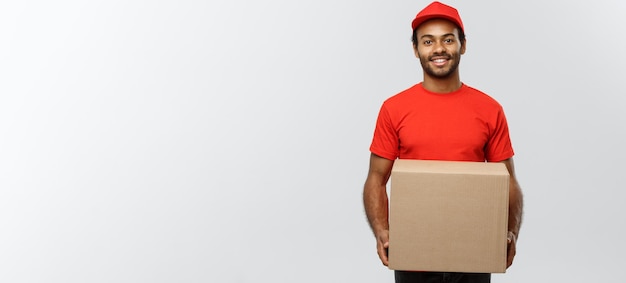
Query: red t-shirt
464	125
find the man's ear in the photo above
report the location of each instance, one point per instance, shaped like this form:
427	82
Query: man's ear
463	44
417	54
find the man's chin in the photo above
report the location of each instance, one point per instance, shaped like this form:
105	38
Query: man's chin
440	75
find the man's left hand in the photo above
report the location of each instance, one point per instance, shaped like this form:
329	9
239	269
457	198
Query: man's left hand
510	253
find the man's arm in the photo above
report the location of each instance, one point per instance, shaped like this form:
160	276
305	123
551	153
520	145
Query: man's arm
376	202
516	209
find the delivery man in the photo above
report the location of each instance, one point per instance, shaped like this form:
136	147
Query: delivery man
440	118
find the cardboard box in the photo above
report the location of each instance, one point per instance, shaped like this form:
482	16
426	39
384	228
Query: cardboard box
448	216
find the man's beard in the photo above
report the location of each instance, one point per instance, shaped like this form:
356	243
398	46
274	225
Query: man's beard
438	72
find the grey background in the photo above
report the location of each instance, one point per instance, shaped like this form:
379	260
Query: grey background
227	141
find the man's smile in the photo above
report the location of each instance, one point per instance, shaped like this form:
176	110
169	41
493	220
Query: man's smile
439	61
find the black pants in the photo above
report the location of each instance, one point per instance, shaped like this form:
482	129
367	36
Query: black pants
441	277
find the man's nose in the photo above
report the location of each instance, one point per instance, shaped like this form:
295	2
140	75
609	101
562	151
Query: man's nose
439	48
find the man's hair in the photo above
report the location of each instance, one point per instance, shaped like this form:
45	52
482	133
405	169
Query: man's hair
461	35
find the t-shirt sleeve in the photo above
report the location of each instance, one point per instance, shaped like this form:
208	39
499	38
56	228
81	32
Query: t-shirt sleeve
499	146
385	142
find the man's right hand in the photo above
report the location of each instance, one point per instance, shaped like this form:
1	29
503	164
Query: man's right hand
382	245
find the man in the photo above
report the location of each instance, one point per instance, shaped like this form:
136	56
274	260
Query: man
440	118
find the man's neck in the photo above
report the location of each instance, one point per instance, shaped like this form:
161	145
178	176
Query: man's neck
442	85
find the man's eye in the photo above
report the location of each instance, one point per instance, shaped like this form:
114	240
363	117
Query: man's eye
427	42
449	40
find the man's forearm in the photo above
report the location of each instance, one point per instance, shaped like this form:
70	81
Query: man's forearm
375	197
376	207
516	207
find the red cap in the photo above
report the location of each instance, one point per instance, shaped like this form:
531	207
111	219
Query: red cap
437	10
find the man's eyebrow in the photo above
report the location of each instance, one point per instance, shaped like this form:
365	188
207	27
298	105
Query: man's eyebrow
432	36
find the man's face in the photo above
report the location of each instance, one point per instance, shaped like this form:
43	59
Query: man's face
438	48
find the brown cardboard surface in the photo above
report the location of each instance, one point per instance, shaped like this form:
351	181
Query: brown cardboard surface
448	216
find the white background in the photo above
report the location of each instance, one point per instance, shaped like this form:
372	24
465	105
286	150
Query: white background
227	141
